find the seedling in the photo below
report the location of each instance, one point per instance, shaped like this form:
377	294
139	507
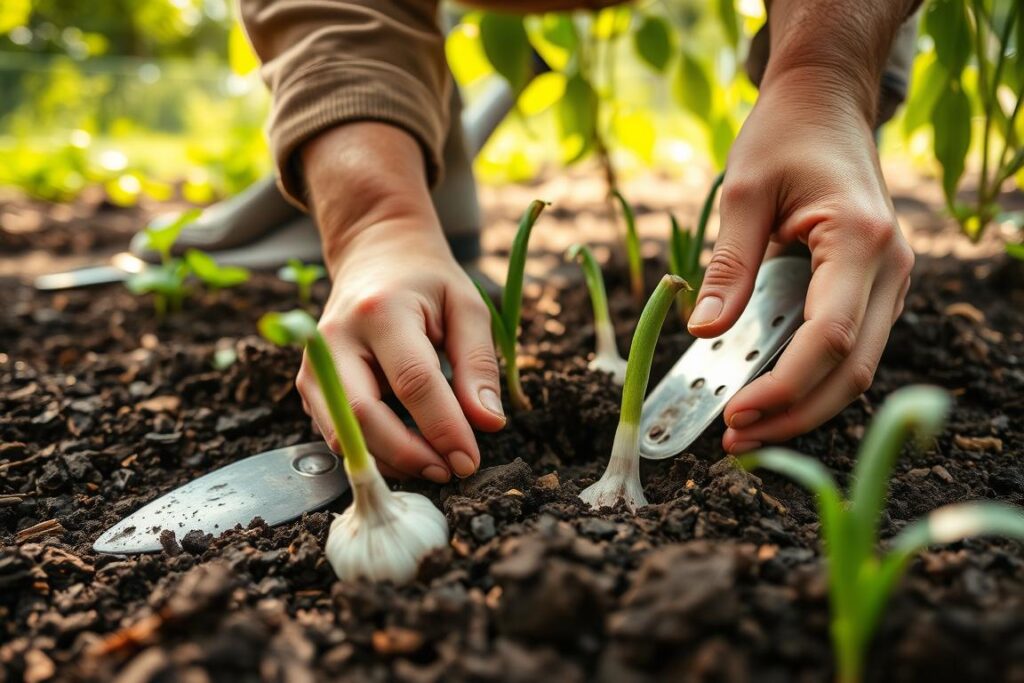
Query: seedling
303	275
383	534
606	357
636	263
212	274
685	248
505	324
161	238
860	580
165	282
621	479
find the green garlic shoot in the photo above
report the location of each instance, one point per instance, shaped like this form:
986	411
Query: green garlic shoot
606	356
213	275
685	249
303	275
384	534
621	480
165	282
860	579
161	237
505	324
635	259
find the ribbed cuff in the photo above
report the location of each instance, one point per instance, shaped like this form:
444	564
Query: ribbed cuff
328	94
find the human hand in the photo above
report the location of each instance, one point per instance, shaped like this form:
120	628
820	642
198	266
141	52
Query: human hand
397	294
805	168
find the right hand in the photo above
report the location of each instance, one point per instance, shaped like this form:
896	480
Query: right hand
397	295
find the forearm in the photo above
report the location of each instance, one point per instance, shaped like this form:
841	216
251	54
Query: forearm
364	174
835	49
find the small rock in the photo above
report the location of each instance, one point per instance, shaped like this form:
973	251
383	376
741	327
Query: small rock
160	404
918	472
549	482
121	478
597	528
242	420
482	528
991	444
196	542
943	474
169	543
514	475
168	439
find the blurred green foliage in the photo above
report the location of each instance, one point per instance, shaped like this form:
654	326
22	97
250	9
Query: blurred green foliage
154	98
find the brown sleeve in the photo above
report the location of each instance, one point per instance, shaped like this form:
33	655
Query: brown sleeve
329	62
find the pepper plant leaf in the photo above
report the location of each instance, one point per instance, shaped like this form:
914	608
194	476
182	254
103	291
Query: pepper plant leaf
951	120
693	86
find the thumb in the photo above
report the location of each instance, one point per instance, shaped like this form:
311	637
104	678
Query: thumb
746	222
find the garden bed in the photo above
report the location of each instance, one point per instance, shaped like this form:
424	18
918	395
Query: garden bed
719	579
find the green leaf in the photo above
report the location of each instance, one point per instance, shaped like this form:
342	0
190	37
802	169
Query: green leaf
555	39
167	279
952	523
653	43
542	93
160	235
296	327
948	24
241	57
594	279
577	122
678	246
14	13
951	120
723	133
930	80
916	411
206	268
300	273
497	325
693	87
633	255
611	22
512	296
1016	251
507	48
730	21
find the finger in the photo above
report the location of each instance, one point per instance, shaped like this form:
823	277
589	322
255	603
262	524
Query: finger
747	216
387	439
843	385
413	370
474	366
837	299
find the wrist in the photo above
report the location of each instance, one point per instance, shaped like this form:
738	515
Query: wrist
362	175
822	92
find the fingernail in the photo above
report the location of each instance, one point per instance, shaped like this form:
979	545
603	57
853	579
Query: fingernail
461	463
707	311
744	418
490	400
436	474
744	446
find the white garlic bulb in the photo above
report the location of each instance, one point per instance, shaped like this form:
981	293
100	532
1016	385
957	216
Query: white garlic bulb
384	534
621	479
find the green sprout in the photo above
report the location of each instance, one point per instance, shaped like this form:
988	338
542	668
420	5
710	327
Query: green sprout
606	356
636	262
505	324
621	479
161	238
212	274
165	282
860	580
383	534
685	248
303	275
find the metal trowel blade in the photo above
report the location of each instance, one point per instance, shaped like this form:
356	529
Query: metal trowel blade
711	371
277	486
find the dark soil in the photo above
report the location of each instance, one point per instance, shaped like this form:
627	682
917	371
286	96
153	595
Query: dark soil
720	579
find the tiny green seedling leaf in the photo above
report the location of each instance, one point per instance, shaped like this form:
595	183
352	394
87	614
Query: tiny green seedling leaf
165	282
606	357
685	249
633	256
505	323
860	581
303	275
161	237
213	275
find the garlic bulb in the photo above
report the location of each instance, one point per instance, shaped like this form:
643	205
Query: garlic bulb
384	534
621	479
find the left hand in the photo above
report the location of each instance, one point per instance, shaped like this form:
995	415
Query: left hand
805	168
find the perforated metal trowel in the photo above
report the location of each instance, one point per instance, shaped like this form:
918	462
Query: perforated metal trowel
711	371
276	486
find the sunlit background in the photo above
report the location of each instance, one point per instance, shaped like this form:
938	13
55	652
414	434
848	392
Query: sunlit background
160	99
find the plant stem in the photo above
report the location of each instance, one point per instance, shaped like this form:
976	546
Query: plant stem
518	397
346	426
636	263
641	350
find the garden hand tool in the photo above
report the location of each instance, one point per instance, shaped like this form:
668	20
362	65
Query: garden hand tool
697	388
277	486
